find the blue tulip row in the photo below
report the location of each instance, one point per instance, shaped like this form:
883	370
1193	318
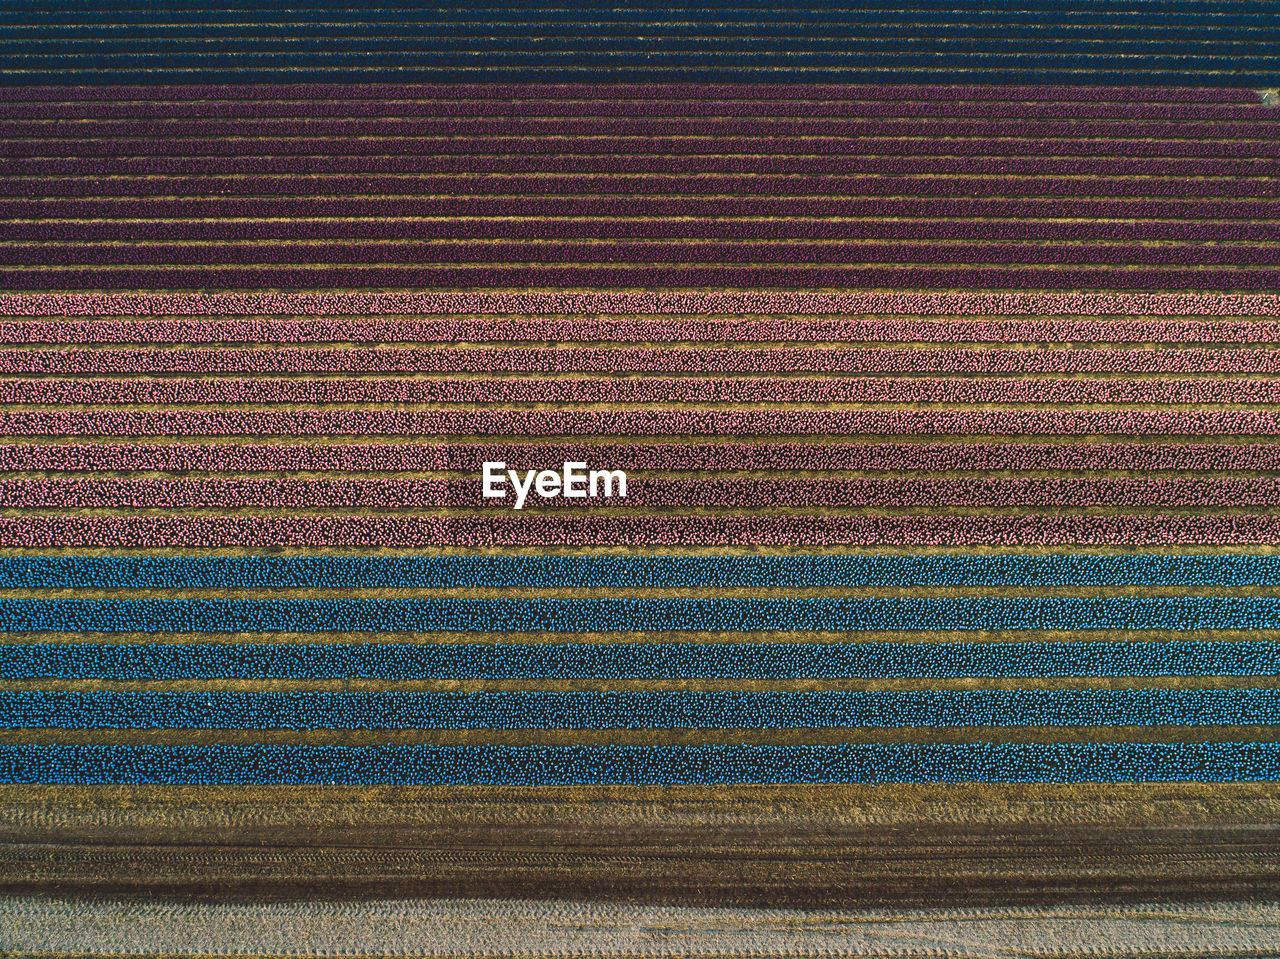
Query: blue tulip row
832	42
647	709
644	615
481	17
402	661
596	765
551	572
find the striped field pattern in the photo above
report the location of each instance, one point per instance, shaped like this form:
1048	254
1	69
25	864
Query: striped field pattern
993	572
822	572
636	186
940	346
1152	42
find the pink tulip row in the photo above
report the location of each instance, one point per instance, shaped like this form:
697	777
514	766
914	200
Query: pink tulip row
467	457
683	421
649	389
630	329
666	304
645	492
639	359
600	529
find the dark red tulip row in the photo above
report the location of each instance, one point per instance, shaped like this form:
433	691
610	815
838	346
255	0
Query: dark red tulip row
638	228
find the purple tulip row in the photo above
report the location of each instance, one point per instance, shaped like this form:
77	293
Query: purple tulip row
1120	162
650	229
1116	108
978	145
570	147
460	204
775	277
909	93
76	134
766	185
